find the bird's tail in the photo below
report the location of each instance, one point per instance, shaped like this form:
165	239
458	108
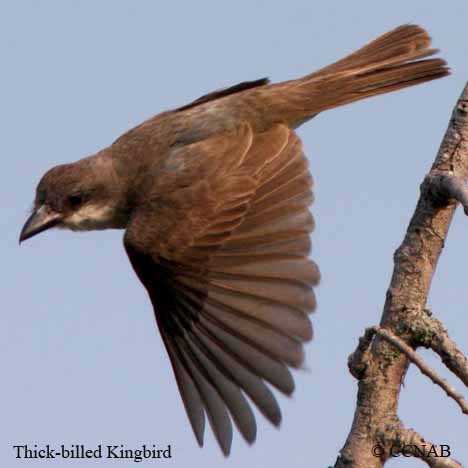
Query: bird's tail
395	60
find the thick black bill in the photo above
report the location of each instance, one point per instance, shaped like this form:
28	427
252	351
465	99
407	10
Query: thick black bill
42	218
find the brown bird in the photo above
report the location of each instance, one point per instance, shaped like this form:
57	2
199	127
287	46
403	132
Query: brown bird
214	198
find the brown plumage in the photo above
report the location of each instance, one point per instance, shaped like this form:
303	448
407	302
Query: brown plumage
215	197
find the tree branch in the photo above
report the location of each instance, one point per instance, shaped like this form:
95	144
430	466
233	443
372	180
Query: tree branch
423	367
383	368
444	186
430	333
436	456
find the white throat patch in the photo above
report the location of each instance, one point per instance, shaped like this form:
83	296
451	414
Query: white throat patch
91	217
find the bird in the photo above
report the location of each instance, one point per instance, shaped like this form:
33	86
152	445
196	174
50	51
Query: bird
215	200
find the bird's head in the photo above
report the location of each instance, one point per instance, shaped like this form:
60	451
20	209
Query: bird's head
77	196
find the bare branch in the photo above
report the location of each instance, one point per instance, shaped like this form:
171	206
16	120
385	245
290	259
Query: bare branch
406	441
448	185
451	355
357	361
422	366
430	333
383	368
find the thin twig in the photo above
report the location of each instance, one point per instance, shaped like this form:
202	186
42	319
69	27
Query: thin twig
411	354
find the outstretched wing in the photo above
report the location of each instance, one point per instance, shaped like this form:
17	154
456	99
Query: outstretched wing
222	248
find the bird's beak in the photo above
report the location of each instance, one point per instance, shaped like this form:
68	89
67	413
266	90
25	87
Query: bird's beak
41	219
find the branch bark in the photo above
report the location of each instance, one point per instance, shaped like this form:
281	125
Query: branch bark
431	334
378	365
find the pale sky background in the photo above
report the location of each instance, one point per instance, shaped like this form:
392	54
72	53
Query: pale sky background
82	360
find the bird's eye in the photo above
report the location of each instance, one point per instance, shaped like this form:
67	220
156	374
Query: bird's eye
75	200
41	197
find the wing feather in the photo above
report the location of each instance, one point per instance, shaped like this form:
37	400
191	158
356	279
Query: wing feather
229	276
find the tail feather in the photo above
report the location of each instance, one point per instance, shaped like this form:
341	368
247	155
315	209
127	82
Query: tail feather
406	42
395	60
